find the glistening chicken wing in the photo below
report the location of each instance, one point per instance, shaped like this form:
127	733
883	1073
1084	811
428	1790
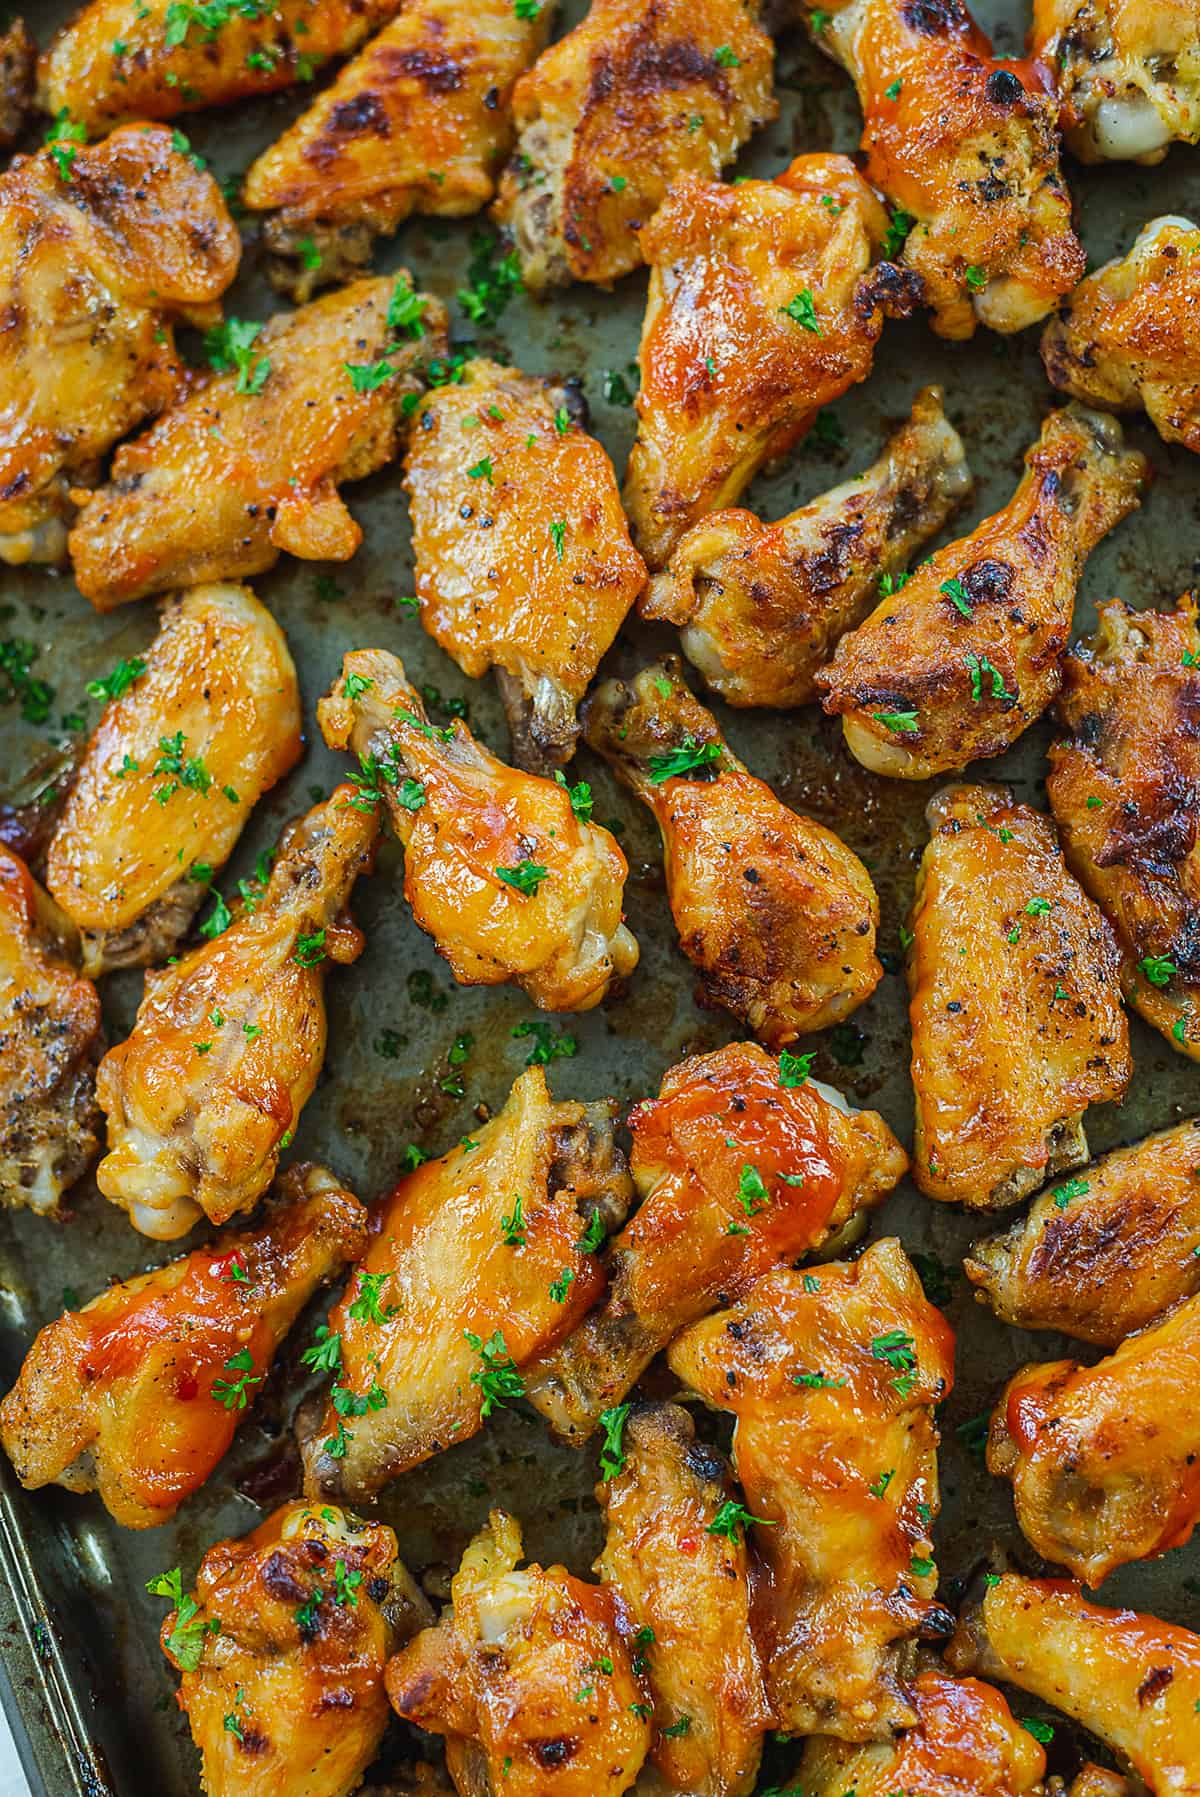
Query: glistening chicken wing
1127	74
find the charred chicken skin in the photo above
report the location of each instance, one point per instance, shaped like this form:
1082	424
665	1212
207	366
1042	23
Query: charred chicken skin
1127	73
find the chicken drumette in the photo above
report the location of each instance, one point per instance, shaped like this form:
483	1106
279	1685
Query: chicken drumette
1127	74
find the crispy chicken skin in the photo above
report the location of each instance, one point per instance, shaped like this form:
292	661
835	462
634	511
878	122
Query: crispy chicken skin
704	1232
1127	73
690	1589
229	1041
50	1041
211	723
1017	1024
1132	1680
18	59
419	122
285	1698
103	249
249	464
139	1394
833	1377
1124	787
485	1243
960	662
529	1677
761	606
467	820
772	908
522	552
760	311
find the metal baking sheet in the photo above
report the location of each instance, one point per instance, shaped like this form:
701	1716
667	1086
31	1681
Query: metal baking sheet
90	1694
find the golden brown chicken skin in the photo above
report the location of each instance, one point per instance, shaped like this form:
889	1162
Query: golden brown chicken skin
194	734
206	1092
1017	1024
138	1394
1124	787
250	463
761	606
833	1376
103	249
498	868
772	908
522	552
958	664
687	1589
18	59
51	1039
1127	74
282	1647
529	1677
1132	1680
741	1163
760	311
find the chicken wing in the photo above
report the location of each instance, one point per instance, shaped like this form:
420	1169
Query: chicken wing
50	1042
282	1648
1127	73
229	1040
420	121
741	1163
639	92
760	311
529	1676
103	248
1132	1680
1124	788
773	909
139	1394
18	59
833	1377
687	1589
250	463
478	1262
761	606
523	558
912	702
1017	1024
204	724
499	868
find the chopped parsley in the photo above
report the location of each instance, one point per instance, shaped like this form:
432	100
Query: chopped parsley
512	1227
900	723
496	1376
547	1045
817	1381
406	309
895	1349
892	90
325	1354
229	345
234	1394
558	536
186	1640
802	310
726	58
64	137
118	683
560	1287
525	877
731	1518
1073	1188
482	470
900	223
957	595
794	1069
752	1193
692	758
366	1307
594	1235
976	277
310	950
979	666
365	377
580	796
1158	969
492	280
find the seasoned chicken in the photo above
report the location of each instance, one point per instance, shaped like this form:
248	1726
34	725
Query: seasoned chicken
1127	74
1124	788
18	58
686	1586
420	121
529	1677
761	606
250	463
639	92
282	1648
229	1040
203	725
833	1377
741	1164
760	311
499	867
1132	1680
139	1394
523	557
913	702
50	1042
1017	1024
103	248
965	147
772	908
478	1262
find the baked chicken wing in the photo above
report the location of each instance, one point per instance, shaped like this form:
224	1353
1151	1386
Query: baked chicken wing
103	248
139	1394
18	60
963	659
203	725
1127	73
250	463
523	558
772	908
1017	1024
498	867
206	1092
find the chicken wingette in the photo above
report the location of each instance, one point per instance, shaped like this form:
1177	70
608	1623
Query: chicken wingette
1127	74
